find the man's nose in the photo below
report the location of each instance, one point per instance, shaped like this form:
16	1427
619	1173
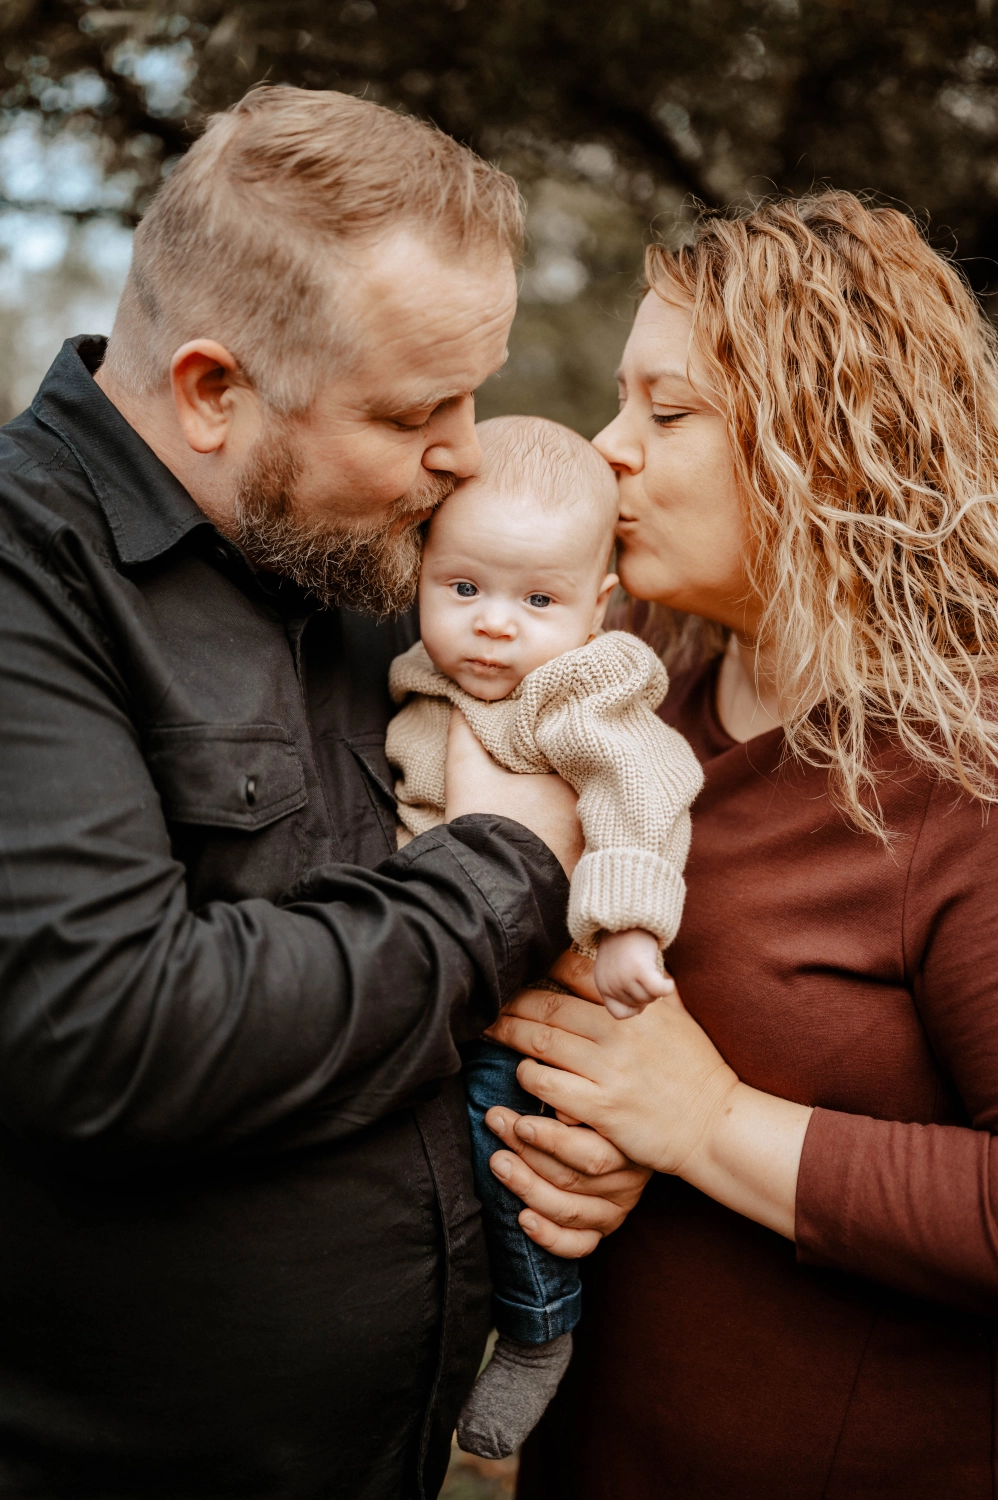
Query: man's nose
454	447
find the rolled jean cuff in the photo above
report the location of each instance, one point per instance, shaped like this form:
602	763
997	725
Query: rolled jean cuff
536	1325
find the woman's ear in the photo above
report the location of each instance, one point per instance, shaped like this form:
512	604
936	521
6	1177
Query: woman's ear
606	588
206	385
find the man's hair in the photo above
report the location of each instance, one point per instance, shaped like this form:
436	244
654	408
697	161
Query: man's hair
554	466
244	242
860	384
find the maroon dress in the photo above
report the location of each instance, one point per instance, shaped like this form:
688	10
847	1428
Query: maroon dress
716	1359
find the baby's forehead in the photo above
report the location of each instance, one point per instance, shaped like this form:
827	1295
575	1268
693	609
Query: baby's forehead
534	510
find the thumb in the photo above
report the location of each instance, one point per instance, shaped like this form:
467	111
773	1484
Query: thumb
577	973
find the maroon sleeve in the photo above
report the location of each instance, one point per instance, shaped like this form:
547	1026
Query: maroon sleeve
916	1206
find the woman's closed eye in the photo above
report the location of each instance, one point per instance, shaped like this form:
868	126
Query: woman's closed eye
667	418
539	601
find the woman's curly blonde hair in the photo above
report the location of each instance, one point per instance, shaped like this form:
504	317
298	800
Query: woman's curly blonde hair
860	381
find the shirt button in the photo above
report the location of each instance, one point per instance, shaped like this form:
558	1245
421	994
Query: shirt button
222	553
249	790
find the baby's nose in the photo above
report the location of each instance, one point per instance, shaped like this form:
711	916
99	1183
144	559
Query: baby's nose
496	624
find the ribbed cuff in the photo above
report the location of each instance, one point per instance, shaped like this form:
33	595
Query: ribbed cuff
617	889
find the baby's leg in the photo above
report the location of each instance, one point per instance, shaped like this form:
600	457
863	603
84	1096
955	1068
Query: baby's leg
536	1296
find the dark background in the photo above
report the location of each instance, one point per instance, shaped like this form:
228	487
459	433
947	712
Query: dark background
616	115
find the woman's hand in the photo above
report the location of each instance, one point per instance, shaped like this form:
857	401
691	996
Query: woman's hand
544	804
657	1087
654	1084
577	1187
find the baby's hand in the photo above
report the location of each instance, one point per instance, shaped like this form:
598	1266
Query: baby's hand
627	973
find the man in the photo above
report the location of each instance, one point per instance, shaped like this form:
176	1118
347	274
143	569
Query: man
239	1250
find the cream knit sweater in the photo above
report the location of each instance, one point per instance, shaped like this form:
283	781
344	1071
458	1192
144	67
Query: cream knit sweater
589	715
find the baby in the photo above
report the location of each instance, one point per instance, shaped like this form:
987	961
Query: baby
512	595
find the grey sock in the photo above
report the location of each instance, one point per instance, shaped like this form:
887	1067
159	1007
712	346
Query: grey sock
511	1395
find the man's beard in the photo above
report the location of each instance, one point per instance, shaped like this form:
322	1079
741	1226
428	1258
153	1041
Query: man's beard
370	568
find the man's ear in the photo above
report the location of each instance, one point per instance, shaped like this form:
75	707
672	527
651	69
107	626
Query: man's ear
206	383
606	588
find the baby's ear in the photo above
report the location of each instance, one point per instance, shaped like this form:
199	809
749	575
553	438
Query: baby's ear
606	588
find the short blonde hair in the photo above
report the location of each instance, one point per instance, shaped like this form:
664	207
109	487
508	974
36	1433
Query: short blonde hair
236	245
860	383
558	467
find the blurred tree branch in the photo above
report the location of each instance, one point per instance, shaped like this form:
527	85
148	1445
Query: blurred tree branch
716	98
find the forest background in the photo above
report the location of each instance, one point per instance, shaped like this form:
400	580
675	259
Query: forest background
618	117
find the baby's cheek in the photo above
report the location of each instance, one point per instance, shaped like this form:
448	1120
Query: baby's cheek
439	631
549	636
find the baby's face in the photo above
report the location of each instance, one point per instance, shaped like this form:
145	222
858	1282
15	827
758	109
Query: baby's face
506	586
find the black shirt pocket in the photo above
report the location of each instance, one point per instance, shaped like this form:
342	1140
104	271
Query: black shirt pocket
240	776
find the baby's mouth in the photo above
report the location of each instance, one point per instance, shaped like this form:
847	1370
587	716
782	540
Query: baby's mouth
486	665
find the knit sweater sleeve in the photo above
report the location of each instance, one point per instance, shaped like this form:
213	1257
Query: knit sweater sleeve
416	744
592	713
589	715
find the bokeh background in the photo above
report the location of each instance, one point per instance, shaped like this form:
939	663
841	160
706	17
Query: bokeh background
617	116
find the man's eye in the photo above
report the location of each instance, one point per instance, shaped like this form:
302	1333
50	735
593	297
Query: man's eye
539	601
465	590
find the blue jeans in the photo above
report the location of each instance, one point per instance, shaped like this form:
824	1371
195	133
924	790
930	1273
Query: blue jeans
536	1295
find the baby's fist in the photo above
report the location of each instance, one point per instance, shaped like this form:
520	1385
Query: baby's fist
627	973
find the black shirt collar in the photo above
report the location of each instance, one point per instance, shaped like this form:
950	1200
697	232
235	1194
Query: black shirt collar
147	508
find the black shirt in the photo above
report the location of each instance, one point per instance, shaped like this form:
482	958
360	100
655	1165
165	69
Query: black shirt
239	1247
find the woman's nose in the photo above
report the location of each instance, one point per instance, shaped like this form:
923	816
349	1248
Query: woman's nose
619	445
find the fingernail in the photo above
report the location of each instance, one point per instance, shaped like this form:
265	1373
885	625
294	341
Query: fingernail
527	1221
526	1132
502	1168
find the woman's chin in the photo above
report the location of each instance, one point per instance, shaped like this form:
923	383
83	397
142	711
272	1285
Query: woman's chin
642	576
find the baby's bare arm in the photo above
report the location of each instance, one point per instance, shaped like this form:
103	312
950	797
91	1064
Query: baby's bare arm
627	973
543	803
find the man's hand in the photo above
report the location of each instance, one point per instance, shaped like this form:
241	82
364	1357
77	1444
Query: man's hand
544	804
576	1186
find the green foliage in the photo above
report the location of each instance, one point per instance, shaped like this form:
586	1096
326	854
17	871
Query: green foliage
715	97
611	115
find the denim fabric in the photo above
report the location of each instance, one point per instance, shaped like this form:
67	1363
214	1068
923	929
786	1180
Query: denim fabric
536	1295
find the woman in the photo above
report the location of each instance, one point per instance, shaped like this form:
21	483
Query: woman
801	1305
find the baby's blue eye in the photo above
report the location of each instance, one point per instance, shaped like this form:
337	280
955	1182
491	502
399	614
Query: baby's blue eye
465	590
539	601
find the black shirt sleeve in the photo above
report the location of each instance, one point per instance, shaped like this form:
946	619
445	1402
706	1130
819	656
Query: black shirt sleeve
129	1020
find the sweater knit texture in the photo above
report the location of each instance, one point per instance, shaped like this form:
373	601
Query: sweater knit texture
590	716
